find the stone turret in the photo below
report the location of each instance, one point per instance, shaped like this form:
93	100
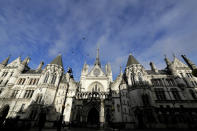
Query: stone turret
135	72
131	61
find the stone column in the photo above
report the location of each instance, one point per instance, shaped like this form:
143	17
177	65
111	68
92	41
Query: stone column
102	115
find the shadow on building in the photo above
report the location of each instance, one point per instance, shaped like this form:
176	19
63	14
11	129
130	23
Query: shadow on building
35	116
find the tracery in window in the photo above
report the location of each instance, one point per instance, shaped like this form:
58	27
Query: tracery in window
46	77
53	79
96	88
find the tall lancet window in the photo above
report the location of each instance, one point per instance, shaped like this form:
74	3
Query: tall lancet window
132	79
96	89
46	77
140	77
53	79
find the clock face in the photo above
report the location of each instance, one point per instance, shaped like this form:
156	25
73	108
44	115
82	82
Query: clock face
96	72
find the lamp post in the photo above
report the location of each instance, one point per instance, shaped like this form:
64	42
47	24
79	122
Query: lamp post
65	98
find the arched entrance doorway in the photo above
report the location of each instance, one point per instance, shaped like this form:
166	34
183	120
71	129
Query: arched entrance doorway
93	116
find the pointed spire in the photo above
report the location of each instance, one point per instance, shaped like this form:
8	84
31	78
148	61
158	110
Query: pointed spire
131	60
5	62
153	67
97	62
121	70
167	61
58	60
26	60
174	56
40	66
189	62
85	66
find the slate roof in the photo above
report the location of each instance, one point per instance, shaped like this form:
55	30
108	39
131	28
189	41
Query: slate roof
58	61
160	72
131	60
32	72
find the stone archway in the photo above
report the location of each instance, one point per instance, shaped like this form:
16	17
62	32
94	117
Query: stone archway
93	116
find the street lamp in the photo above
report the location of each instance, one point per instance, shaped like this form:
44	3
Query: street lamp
63	105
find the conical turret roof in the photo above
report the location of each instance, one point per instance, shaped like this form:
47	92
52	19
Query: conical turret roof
58	61
131	60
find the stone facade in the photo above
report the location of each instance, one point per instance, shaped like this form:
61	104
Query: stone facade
137	98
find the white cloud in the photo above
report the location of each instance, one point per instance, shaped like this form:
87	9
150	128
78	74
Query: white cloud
148	29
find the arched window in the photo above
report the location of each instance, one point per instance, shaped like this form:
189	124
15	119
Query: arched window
132	79
19	81
140	77
53	79
39	99
96	88
146	100
34	81
46	77
193	94
118	107
23	81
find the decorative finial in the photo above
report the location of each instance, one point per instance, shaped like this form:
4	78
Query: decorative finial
174	56
121	70
97	58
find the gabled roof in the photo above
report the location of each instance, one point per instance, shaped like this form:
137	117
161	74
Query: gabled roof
178	63
131	60
58	61
16	62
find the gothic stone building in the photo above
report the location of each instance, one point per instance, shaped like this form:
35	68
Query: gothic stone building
137	98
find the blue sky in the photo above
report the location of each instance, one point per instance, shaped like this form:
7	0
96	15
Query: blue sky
149	29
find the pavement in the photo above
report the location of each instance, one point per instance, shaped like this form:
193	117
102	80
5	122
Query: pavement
74	129
108	129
